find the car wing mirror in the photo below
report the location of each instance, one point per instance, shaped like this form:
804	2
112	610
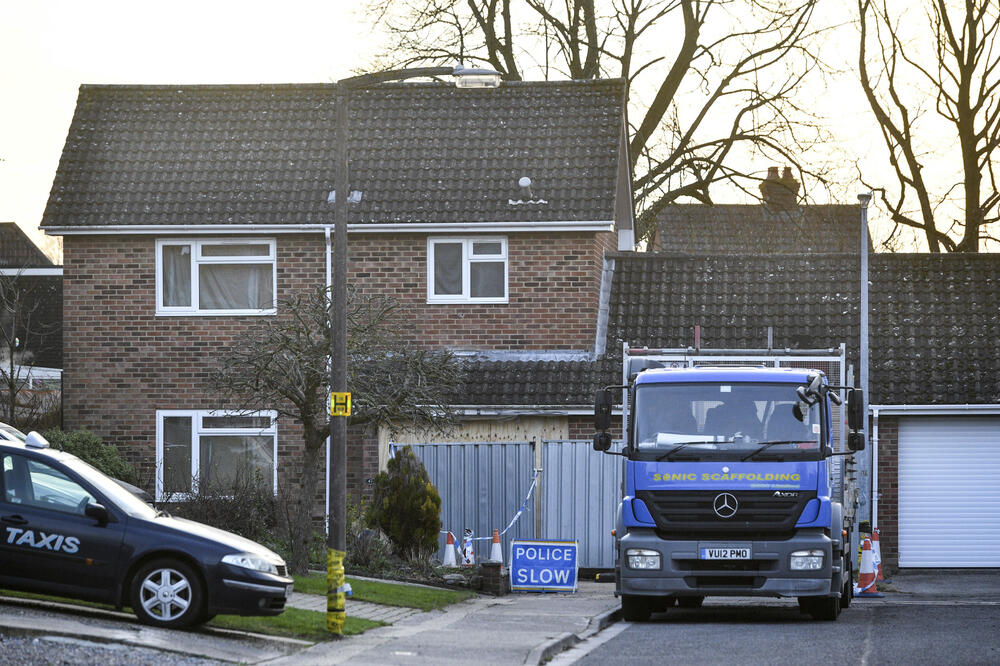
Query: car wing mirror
98	512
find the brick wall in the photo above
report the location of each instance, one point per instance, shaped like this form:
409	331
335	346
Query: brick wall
888	489
554	287
122	363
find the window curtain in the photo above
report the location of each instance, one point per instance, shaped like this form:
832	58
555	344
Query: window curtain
235	287
486	279
447	269
176	275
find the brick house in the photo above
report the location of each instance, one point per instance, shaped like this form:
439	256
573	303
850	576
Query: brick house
934	369
189	212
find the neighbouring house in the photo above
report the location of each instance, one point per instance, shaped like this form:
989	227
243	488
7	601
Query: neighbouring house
32	282
934	368
189	212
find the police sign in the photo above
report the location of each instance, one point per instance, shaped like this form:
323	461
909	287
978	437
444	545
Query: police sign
544	566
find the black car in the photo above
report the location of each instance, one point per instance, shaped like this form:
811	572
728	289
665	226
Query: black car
67	529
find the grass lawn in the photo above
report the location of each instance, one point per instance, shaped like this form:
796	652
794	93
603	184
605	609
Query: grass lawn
292	623
390	594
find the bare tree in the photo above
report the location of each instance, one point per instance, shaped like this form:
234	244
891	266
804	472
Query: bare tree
913	97
712	81
282	364
23	329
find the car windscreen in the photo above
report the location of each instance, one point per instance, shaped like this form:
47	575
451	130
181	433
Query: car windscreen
12	433
723	422
122	498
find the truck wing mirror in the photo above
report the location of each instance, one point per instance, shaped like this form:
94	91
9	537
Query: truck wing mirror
602	410
856	441
602	441
856	410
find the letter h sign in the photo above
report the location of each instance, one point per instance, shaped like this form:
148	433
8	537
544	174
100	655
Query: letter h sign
340	404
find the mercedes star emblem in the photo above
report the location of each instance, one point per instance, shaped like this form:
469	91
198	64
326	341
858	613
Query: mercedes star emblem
725	505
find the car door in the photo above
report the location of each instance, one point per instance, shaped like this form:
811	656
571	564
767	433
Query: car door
48	542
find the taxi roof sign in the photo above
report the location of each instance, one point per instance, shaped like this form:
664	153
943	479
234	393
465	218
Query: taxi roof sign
36	441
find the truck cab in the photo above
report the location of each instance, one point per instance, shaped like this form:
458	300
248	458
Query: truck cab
726	490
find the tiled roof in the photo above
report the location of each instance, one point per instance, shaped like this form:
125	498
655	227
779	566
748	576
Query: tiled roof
17	250
569	384
934	319
757	229
658	299
935	322
264	154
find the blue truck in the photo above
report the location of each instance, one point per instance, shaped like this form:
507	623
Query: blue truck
726	487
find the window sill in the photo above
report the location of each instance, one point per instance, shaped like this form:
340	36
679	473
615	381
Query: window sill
217	313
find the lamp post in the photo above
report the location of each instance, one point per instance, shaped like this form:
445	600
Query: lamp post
336	543
867	466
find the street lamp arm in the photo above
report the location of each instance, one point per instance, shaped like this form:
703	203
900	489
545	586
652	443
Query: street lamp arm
464	76
395	75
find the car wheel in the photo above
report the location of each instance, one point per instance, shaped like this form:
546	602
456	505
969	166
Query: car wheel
635	609
167	593
690	602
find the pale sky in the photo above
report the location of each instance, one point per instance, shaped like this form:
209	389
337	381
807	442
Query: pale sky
49	47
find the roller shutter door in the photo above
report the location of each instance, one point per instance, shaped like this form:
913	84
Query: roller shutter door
949	491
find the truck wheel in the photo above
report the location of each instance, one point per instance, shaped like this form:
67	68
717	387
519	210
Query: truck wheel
821	608
690	602
167	593
635	609
848	592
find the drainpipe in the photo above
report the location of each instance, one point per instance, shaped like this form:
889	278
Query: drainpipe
875	491
329	287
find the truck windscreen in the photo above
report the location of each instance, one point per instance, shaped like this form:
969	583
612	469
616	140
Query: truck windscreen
738	421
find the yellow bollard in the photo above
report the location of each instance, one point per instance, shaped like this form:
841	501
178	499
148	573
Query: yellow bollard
335	614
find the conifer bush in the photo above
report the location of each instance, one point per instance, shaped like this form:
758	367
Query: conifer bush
406	506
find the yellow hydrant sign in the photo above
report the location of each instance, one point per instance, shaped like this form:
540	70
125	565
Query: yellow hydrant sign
543	566
340	404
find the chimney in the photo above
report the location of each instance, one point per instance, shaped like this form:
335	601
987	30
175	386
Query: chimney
779	192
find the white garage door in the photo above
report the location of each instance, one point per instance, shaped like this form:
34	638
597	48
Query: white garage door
949	491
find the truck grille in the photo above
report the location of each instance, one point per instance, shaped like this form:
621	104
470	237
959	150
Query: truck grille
759	514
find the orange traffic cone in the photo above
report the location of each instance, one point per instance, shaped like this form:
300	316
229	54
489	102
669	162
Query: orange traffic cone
866	579
877	554
449	552
496	553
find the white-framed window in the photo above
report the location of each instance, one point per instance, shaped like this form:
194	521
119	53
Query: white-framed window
467	270
214	450
215	277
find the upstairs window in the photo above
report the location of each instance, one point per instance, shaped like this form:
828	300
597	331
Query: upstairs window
467	270
215	277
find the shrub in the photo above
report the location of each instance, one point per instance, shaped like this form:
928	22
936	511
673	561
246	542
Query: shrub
88	447
244	505
406	506
367	548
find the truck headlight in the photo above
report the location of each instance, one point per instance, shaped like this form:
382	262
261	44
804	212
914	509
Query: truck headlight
640	558
251	561
807	560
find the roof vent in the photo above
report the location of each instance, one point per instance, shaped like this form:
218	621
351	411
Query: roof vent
525	184
526	196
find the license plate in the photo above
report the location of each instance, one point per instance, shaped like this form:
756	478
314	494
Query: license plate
726	553
288	590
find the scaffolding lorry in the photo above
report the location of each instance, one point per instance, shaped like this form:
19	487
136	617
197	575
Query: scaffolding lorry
728	485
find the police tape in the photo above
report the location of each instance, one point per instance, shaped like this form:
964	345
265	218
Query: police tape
520	510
